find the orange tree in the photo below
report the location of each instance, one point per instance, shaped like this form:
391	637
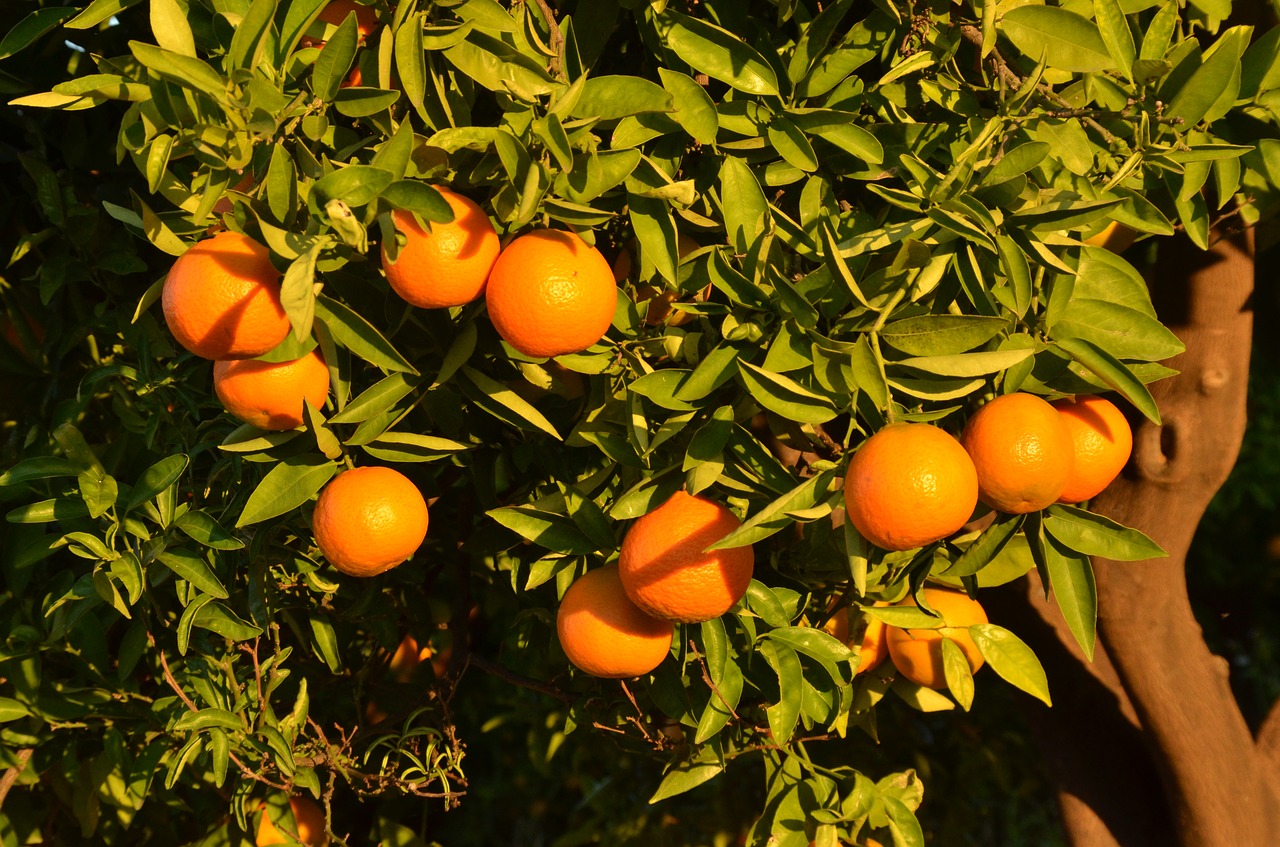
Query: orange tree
862	221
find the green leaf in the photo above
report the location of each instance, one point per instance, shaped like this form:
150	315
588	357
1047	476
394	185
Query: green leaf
778	514
39	467
956	671
1016	162
208	719
502	402
418	197
216	617
1012	659
156	479
286	487
359	336
411	447
203	529
1067	41
717	52
746	212
251	35
98	490
1115	33
903	824
784	714
1201	91
785	396
11	710
694	109
1108	369
967	364
940	335
688	775
170	27
725	694
1122	332
31	27
195	570
363	101
839	129
49	511
354	185
325	641
1071	578
189	72
546	529
1096	535
612	97
378	398
986	547
762	600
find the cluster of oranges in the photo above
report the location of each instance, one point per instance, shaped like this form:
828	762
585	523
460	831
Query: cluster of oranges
617	621
915	653
912	484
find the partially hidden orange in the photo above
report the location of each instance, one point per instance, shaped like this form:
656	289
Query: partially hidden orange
308	824
1022	450
659	309
449	265
336	12
908	485
667	570
917	653
369	519
606	635
221	299
1103	442
551	293
270	395
860	632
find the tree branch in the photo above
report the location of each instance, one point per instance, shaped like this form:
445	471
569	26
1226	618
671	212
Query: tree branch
11	774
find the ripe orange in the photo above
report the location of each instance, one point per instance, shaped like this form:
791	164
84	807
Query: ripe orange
551	293
221	299
604	634
224	205
336	12
867	636
666	570
908	485
269	395
368	520
308	819
917	653
1115	237
1103	442
1022	450
406	659
10	332
449	265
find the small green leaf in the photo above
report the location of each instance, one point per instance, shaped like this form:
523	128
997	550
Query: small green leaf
286	487
1108	369
957	673
31	27
359	336
208	719
156	479
195	570
784	395
1067	41
1071	576
687	775
1096	535
546	529
1012	659
986	546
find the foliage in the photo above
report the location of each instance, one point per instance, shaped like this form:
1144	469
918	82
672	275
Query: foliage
889	207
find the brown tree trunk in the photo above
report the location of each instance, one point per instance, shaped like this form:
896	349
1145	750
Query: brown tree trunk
1219	786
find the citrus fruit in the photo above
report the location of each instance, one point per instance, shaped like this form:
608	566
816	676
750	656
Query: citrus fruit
406	658
16	336
447	266
908	485
666	569
862	633
221	299
1022	450
267	833
1115	237
336	12
309	818
1103	442
551	293
368	520
917	653
604	634
270	395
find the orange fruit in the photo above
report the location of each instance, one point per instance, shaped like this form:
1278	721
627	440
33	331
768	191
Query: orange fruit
908	485
13	337
368	520
267	832
666	569
1115	237
1103	442
310	821
224	205
604	634
336	12
449	265
221	299
406	658
867	635
270	395
1022	450
917	653
551	293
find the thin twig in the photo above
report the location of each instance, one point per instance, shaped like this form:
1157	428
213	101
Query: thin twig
706	677
639	720
557	39
11	774
495	669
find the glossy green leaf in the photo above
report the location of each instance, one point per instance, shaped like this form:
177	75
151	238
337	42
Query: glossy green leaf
1067	41
195	570
717	52
1097	535
1074	590
288	485
784	396
1010	657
